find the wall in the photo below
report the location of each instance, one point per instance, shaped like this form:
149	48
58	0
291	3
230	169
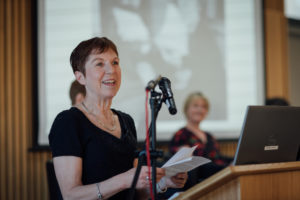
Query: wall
22	173
276	49
294	62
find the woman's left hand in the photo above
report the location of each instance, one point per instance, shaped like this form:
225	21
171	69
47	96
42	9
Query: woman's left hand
177	181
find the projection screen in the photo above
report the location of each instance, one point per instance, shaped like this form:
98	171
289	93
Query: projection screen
211	46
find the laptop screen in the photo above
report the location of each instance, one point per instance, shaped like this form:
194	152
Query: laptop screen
269	134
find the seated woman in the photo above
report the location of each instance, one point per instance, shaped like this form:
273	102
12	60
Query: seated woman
196	108
93	145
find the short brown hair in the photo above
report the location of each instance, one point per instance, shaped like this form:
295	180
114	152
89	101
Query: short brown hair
85	48
191	97
76	88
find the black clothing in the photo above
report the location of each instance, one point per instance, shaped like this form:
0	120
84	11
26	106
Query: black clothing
103	155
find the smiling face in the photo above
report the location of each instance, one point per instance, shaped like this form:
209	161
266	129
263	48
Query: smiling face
102	77
197	110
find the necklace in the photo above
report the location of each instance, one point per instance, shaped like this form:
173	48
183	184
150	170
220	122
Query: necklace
114	126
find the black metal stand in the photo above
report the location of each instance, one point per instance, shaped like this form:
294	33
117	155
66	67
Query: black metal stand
155	105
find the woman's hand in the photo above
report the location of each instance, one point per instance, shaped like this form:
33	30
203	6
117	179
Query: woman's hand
177	181
143	180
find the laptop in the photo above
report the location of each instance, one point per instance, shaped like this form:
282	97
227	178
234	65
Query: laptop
269	134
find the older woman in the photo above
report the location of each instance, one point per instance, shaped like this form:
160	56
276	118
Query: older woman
195	109
93	145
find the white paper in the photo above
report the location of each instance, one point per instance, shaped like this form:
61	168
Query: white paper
184	161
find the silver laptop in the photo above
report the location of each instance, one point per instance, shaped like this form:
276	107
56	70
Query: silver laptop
269	134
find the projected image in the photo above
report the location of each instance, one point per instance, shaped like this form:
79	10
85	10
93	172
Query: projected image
212	46
182	40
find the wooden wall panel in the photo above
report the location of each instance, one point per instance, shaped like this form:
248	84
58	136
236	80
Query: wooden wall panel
9	98
2	105
276	49
22	173
16	101
24	92
228	148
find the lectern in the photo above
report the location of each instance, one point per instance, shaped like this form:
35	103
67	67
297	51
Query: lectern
259	181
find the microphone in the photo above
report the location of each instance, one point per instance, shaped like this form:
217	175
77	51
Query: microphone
151	85
165	86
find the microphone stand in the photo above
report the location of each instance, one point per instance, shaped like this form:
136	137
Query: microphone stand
155	105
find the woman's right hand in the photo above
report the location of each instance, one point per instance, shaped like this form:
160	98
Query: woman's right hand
143	180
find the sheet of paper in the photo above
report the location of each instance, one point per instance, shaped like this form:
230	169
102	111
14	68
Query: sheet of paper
184	152
185	165
183	161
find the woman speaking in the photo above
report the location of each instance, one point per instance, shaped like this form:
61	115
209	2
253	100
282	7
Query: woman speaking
92	144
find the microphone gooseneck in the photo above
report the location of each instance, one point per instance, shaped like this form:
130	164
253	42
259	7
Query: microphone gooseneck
152	84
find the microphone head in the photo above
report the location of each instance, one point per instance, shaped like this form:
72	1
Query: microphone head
171	106
173	111
165	86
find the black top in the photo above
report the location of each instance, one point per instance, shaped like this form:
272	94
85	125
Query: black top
103	155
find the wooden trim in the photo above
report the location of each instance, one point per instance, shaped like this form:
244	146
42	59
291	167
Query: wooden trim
230	173
3	153
9	97
277	84
16	99
23	96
